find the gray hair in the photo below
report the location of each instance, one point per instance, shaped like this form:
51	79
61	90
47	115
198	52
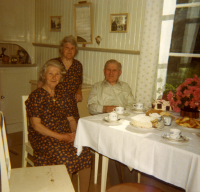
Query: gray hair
49	63
68	39
114	62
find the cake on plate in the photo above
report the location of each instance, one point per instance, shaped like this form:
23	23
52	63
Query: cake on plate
162	105
143	121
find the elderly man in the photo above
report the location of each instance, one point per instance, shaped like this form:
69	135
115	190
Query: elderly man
103	98
110	93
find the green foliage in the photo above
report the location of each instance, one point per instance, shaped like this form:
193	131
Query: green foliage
168	88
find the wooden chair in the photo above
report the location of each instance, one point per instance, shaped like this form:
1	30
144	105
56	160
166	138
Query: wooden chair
5	166
133	187
27	149
42	178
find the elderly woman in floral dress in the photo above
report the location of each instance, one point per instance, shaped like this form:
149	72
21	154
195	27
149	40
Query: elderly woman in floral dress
52	126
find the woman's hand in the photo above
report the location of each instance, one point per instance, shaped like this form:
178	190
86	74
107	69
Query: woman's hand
68	137
78	94
40	128
78	97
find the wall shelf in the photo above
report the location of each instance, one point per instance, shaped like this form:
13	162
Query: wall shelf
92	49
18	65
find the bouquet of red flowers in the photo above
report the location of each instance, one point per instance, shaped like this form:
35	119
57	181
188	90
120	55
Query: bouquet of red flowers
187	95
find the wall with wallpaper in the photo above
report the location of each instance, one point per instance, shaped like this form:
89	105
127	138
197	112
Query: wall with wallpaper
143	35
93	61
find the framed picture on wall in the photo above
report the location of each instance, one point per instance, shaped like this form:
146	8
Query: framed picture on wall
83	23
55	23
119	23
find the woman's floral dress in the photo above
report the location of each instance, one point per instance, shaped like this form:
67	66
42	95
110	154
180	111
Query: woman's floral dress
53	113
71	82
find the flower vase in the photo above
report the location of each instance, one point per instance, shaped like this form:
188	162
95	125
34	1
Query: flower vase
190	112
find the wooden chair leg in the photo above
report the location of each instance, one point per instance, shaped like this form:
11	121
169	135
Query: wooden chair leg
24	156
78	183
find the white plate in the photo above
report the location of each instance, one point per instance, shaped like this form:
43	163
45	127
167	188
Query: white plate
198	134
109	121
124	114
142	127
159	127
183	139
138	111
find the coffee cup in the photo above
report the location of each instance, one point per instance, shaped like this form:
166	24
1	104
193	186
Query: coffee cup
119	110
113	116
175	134
167	120
138	106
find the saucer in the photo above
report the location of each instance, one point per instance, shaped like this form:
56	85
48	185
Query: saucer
198	134
138	111
183	139
125	114
106	119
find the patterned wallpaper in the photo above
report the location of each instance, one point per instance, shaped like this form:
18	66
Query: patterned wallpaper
147	71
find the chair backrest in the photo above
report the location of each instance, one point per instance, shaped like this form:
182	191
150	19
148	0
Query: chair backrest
5	165
25	121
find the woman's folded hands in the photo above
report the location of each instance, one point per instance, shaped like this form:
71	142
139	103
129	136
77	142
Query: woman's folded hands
68	137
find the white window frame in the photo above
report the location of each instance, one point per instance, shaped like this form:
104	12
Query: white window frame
169	8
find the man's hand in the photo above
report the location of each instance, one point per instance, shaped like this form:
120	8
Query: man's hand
108	109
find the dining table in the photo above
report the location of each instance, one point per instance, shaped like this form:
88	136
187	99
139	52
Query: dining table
146	150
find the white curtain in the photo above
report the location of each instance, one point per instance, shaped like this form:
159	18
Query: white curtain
150	72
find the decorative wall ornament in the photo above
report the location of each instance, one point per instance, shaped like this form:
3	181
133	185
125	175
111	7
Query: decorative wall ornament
98	39
55	23
2	54
119	23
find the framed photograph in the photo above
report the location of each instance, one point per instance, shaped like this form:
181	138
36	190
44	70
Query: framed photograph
83	22
55	23
119	23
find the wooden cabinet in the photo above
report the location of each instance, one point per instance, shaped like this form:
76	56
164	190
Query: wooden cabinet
82	106
14	84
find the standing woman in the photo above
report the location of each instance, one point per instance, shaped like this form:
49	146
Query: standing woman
72	82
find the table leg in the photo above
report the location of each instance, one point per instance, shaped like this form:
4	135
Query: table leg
96	167
104	173
139	177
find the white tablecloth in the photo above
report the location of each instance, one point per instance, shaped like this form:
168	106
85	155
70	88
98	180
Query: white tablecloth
144	149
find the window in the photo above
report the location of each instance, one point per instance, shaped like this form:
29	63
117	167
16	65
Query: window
184	56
